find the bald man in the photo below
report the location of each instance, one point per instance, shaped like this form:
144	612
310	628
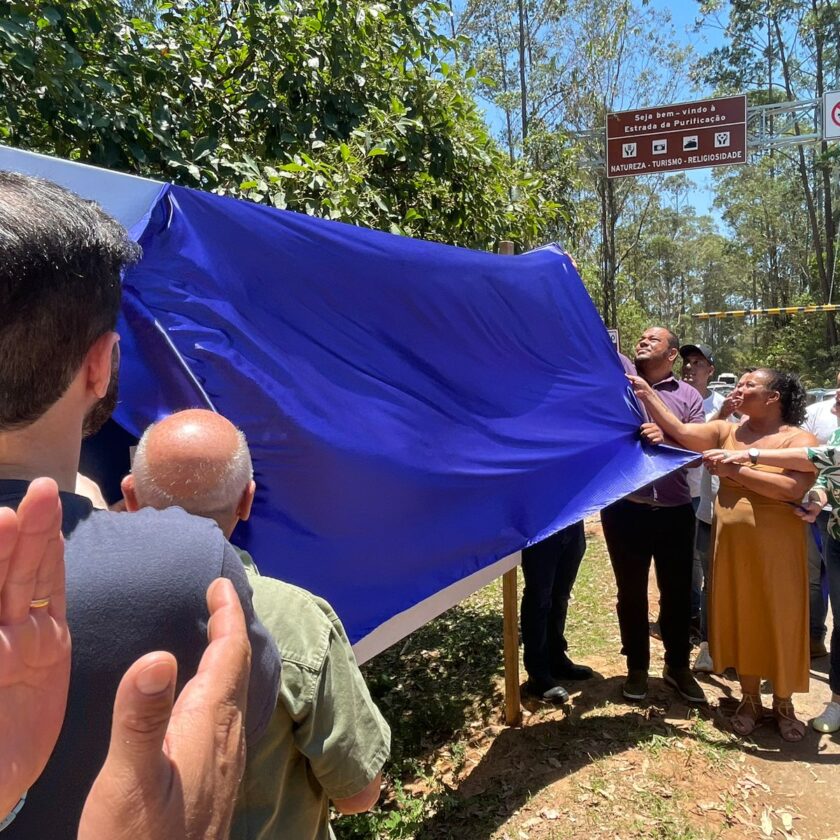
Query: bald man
327	740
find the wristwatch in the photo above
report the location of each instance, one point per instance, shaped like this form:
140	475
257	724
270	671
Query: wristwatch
753	453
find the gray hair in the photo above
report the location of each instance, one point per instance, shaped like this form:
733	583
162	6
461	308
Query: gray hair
203	499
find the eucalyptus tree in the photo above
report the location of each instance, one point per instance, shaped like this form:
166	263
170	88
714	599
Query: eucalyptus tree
788	50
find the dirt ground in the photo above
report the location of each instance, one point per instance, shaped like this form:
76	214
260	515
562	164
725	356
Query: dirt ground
596	767
601	767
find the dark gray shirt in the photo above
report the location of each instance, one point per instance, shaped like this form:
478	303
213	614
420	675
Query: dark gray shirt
135	583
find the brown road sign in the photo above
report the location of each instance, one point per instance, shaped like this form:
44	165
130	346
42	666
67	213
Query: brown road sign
687	135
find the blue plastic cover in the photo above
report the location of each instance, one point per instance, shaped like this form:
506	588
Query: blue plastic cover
415	411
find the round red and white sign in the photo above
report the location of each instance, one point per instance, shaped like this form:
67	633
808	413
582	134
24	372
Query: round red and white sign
831	115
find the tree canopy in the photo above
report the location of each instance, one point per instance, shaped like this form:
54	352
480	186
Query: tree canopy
466	121
348	110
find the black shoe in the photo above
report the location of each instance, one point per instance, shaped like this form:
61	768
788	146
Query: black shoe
683	681
818	648
551	692
569	670
636	685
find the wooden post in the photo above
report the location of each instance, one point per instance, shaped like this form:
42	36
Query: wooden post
513	709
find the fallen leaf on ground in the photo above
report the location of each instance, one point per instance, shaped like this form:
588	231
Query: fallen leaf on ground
766	824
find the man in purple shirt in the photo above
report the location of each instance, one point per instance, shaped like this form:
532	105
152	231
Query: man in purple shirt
656	521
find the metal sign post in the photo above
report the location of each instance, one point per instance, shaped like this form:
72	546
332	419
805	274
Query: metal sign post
668	138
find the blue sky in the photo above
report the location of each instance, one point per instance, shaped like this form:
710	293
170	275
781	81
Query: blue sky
683	14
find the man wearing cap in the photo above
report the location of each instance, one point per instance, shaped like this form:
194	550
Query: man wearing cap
698	368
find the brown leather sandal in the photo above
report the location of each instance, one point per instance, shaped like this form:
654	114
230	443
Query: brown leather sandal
790	727
748	715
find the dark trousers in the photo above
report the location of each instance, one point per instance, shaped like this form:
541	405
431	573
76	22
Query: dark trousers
818	600
832	564
635	533
700	579
549	568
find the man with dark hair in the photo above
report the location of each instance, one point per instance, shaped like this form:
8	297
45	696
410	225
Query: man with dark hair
134	583
656	521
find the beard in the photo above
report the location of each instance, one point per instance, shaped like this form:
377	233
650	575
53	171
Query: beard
100	413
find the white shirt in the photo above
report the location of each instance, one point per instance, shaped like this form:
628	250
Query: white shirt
711	406
819	420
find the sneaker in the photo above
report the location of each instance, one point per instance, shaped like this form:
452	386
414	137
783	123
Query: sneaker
818	648
549	691
568	670
682	680
703	663
636	685
829	720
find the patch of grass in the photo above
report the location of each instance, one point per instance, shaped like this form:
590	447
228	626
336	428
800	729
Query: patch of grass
655	745
659	814
434	688
592	626
718	748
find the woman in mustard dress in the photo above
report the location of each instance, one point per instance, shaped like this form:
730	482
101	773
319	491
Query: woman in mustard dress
758	601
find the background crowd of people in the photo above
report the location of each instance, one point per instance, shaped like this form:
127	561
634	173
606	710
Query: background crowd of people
739	561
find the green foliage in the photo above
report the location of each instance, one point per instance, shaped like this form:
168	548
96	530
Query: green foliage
436	690
346	110
776	243
783	210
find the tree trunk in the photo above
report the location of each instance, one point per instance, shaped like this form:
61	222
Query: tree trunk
829	221
609	308
820	251
508	117
523	47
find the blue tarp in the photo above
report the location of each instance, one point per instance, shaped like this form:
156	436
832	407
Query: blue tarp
415	411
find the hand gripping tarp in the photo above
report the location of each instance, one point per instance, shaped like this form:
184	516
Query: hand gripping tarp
415	411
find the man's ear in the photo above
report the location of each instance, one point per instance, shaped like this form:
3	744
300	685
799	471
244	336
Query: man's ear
129	494
243	511
99	363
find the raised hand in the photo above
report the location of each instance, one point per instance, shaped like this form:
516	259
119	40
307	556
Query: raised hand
640	387
730	405
34	639
173	772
